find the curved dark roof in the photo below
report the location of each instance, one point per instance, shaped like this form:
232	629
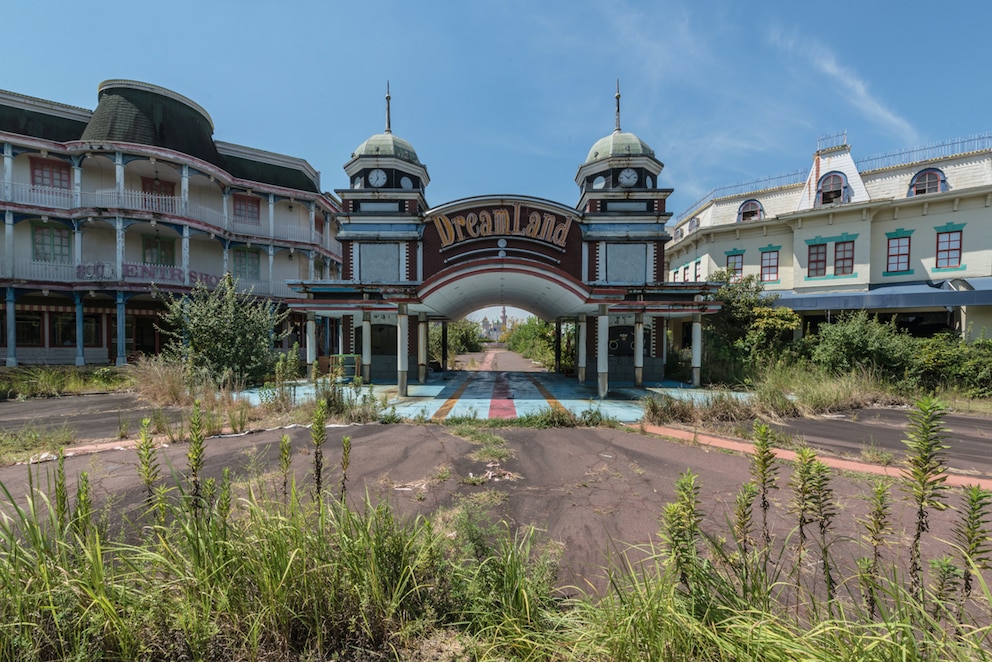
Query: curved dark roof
134	112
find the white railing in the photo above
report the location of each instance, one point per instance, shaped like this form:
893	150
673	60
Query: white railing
206	214
41	196
258	230
53	271
293	232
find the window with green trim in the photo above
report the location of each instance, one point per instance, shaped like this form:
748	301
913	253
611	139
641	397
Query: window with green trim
769	266
51	243
948	249
247	264
844	258
817	263
735	265
155	250
897	257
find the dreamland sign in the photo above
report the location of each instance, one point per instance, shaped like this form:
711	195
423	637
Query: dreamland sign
502	222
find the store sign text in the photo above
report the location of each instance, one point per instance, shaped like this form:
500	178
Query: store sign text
502	222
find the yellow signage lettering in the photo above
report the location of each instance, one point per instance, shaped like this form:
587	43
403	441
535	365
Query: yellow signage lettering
485	223
533	225
561	232
501	221
444	230
471	221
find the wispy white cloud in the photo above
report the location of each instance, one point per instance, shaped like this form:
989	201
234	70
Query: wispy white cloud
856	89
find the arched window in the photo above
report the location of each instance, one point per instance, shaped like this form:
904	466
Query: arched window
832	189
926	181
750	210
679	233
694	224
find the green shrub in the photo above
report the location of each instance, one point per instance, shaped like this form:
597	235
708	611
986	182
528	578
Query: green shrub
858	340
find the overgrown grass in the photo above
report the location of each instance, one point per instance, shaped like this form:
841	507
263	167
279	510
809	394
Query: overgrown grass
236	570
55	381
33	439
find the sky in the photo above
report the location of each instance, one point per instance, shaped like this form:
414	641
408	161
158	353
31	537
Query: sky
507	97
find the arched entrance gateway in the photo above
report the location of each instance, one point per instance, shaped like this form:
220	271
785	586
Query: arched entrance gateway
599	265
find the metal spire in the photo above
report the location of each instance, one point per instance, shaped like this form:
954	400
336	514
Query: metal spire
617	129
388	127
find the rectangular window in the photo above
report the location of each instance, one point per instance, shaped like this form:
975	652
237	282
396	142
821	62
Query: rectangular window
817	260
948	249
62	330
676	274
246	264
155	250
51	244
699	269
844	258
246	210
735	265
685	273
897	258
92	331
769	266
53	174
28	328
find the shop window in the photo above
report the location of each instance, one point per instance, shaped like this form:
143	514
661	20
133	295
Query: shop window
769	266
247	264
832	189
817	260
50	243
897	256
751	210
50	173
155	250
735	265
246	210
28	329
62	330
948	249
926	181
844	258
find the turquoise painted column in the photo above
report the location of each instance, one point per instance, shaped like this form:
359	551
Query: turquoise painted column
422	348
121	331
11	330
367	346
80	356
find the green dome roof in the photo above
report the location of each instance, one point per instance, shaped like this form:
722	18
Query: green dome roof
386	144
618	143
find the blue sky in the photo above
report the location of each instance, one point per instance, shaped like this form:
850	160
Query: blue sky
508	97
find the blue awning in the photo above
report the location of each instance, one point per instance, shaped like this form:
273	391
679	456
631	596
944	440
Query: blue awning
949	293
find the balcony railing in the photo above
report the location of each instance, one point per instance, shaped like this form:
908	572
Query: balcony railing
51	271
41	196
46	196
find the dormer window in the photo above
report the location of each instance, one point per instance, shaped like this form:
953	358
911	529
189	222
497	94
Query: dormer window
832	189
679	233
694	224
751	210
926	181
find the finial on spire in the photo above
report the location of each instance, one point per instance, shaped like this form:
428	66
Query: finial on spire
617	129
388	127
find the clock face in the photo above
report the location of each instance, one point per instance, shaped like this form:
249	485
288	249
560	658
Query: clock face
377	177
628	177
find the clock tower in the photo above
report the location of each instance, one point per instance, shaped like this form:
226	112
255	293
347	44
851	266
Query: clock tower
386	176
620	176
